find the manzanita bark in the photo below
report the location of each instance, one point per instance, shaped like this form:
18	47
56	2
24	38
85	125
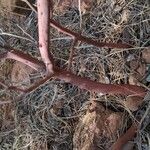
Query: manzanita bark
130	133
81	82
47	63
87	84
22	57
43	26
79	37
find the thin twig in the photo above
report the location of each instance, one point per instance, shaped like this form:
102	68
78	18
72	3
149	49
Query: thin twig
3	84
33	87
17	36
72	48
85	39
30	5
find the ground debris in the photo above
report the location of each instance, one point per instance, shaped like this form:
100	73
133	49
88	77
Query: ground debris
97	129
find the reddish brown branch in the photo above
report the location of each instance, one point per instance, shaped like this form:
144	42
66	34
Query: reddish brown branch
85	39
22	57
43	27
44	13
130	133
87	84
81	82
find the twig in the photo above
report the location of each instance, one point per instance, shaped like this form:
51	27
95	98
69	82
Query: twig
72	48
3	84
33	87
17	36
85	39
30	5
22	57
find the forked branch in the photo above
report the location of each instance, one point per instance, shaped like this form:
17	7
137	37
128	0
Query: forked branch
44	14
81	82
47	63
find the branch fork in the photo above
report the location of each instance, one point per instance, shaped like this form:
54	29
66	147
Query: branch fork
47	64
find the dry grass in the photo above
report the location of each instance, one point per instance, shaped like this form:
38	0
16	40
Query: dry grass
47	117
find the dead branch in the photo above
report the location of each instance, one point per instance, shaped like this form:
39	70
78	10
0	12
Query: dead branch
81	82
85	39
130	133
22	57
87	84
44	21
43	27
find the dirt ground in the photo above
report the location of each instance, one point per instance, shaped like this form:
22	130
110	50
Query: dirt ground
58	115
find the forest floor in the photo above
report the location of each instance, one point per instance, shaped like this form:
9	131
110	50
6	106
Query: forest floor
58	115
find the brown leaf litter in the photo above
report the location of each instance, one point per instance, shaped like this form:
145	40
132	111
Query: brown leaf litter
20	75
63	5
97	128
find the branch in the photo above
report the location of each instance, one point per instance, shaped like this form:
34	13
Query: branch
43	24
81	82
85	39
130	133
22	57
80	37
87	84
